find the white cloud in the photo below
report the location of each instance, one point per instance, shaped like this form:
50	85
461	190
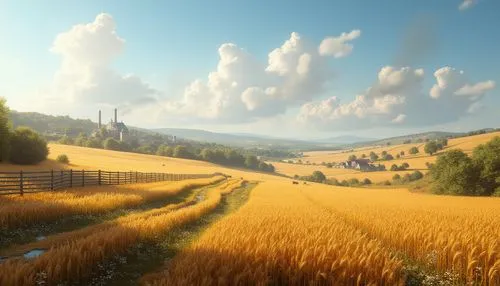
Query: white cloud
476	89
399	119
397	98
87	51
466	4
450	81
338	47
244	89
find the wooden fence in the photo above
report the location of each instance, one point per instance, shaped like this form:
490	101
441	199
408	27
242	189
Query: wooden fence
29	182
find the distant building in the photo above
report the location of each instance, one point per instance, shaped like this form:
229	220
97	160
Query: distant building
114	129
359	164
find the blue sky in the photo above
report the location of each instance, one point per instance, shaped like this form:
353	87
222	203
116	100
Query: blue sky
169	44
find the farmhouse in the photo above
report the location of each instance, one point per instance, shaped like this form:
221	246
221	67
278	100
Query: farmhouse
359	164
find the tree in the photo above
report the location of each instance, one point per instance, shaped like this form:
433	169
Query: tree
181	151
65	140
367	181
402	153
384	153
396	177
455	173
394	167
251	162
431	147
405	165
487	159
443	142
363	156
388	157
318	176
27	147
111	144
165	150
417	175
234	158
413	150
81	140
207	155
4	131
353	182
352	157
93	143
373	156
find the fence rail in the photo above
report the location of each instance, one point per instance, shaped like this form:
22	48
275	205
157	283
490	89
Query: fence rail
28	182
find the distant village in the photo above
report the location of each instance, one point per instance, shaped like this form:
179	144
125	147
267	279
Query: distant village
365	165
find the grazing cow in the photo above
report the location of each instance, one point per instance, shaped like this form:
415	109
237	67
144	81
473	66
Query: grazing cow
295	182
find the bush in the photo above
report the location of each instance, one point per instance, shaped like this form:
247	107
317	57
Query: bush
386	183
396	177
63	158
367	181
417	175
353	182
405	166
352	157
413	150
318	176
394	167
27	147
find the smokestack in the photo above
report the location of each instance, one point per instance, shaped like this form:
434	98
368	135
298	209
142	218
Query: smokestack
116	115
99	123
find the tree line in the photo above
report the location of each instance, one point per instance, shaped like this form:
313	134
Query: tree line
157	145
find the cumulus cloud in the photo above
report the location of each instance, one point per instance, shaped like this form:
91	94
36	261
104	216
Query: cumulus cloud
87	51
338	47
398	98
244	89
466	4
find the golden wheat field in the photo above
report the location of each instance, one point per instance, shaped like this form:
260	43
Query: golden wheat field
337	173
34	208
315	234
72	255
466	144
285	234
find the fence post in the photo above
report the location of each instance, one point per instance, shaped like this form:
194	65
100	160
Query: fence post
62	179
83	178
51	180
99	177
71	178
21	184
136	177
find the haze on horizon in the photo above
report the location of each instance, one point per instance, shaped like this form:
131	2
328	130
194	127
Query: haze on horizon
288	68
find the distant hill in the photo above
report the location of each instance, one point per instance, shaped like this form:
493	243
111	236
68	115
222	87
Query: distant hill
413	137
347	139
241	140
48	124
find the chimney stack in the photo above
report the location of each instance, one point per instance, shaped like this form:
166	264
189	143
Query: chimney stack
116	115
99	123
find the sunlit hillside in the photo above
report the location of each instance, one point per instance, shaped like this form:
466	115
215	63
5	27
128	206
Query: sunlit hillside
417	162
